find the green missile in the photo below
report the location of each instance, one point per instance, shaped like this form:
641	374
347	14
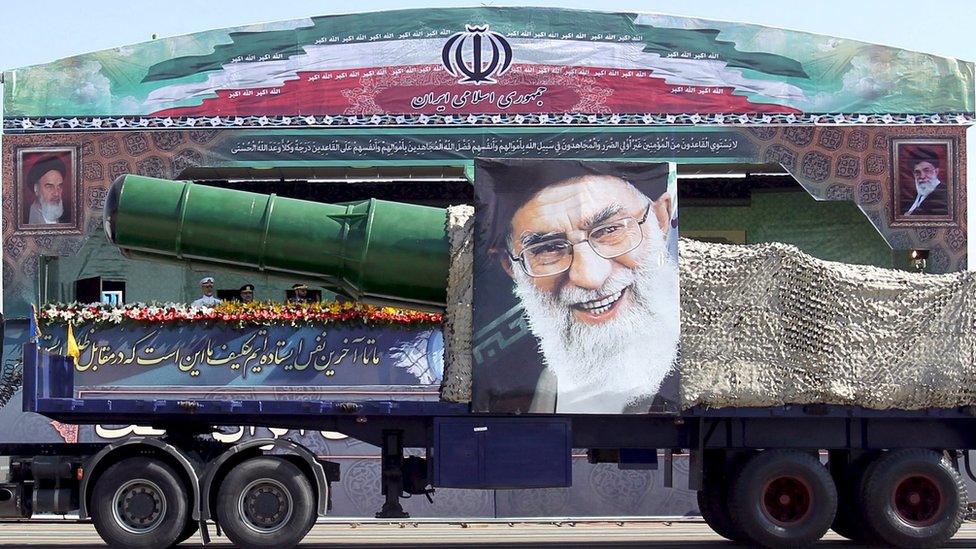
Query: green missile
375	251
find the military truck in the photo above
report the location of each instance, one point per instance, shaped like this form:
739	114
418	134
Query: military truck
820	383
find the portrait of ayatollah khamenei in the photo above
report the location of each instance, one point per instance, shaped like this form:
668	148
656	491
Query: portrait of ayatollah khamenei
576	299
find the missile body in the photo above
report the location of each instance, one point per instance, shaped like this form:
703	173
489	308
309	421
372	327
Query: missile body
375	251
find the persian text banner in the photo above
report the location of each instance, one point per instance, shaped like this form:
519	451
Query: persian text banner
368	362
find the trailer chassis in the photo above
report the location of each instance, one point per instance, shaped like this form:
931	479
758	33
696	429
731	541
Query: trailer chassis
892	476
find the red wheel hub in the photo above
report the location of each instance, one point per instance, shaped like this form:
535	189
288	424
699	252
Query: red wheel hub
918	500
787	500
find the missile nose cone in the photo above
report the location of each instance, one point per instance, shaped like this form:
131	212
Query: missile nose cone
112	207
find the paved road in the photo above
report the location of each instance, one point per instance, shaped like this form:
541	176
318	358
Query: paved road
655	535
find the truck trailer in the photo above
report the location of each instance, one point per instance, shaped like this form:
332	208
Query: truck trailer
462	229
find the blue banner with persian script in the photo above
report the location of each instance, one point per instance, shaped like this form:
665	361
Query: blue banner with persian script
274	361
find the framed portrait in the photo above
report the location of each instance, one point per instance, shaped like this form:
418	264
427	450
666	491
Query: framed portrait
47	190
923	182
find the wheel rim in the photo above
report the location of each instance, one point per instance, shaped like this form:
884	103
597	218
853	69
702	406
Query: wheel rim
265	506
140	506
787	500
918	500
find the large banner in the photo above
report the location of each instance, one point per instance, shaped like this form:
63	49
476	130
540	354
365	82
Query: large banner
494	64
277	361
583	256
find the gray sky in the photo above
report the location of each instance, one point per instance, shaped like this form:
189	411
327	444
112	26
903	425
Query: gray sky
39	31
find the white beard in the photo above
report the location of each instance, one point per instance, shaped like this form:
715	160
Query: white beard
926	187
603	368
51	211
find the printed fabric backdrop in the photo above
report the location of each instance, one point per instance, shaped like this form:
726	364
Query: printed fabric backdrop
482	61
136	360
585	254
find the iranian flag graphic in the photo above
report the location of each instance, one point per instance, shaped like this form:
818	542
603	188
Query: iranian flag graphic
475	70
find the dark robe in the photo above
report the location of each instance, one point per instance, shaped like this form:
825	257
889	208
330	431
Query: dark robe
936	203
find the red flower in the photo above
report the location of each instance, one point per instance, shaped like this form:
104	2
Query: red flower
354	313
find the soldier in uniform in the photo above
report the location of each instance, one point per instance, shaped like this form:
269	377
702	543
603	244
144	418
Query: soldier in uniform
247	293
300	293
207	299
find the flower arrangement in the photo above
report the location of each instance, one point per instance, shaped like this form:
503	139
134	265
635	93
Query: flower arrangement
240	314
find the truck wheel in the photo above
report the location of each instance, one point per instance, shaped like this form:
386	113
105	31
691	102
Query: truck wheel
266	502
783	498
189	529
713	503
914	498
139	502
849	521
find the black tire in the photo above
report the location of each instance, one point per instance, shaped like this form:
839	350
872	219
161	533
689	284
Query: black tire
714	506
849	521
266	502
914	498
783	498
139	503
191	527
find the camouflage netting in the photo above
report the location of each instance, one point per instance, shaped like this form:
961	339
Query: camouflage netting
456	386
767	325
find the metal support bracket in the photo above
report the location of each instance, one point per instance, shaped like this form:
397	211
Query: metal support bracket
392	476
696	461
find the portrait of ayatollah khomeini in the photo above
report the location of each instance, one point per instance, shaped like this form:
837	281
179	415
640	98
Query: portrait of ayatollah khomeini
588	253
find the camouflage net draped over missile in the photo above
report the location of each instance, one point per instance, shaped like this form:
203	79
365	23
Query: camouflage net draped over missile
456	385
767	325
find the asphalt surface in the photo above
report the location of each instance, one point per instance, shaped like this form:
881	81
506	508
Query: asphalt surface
654	535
